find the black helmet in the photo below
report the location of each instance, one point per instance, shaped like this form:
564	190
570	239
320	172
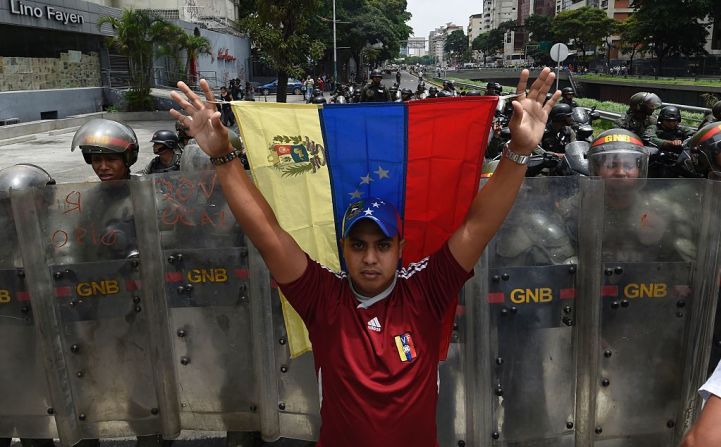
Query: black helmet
406	94
448	84
618	146
22	176
493	87
669	113
433	90
101	136
376	73
707	143
318	99
567	91
443	94
167	138
644	102
474	93
560	112
716	110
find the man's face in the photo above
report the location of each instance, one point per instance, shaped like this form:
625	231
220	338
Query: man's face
619	166
158	148
568	96
669	124
109	167
371	257
376	80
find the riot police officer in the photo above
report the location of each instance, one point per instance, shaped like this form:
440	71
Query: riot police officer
705	151
375	91
494	89
318	97
715	115
109	146
167	149
432	91
667	134
406	95
638	116
450	88
558	130
567	95
17	177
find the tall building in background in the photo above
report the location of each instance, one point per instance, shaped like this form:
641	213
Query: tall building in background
416	46
437	39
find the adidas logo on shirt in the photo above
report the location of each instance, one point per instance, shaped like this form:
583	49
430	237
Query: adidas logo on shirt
374	324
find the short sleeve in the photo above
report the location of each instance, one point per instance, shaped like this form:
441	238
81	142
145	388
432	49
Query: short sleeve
315	294
712	385
440	277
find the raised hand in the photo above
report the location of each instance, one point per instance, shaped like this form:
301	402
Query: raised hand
529	113
202	119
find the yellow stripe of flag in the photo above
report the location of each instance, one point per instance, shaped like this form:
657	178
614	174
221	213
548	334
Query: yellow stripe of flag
287	157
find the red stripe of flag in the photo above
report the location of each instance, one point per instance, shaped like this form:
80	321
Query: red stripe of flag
496	298
62	292
568	294
23	296
609	291
447	138
242	273
174	277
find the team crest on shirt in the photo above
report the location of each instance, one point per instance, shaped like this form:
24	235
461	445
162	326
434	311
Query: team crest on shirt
406	347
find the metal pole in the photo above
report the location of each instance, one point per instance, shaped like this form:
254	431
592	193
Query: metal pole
335	50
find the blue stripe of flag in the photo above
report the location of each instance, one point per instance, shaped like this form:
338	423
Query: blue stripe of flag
366	146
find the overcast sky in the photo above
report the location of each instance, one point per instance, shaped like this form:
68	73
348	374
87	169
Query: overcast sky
430	14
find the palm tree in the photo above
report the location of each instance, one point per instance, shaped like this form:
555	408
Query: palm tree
194	46
135	32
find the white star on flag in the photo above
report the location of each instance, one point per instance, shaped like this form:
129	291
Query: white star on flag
382	173
376	204
369	212
366	180
355	194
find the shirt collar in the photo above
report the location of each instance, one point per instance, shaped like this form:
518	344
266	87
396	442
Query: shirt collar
368	301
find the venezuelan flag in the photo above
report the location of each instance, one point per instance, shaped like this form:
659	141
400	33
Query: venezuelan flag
311	161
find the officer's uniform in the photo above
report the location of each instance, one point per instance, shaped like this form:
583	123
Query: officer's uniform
634	124
156	166
375	93
659	136
556	140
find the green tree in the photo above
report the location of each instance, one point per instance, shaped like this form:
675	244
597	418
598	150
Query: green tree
456	44
584	28
135	32
540	38
281	29
632	39
380	24
669	27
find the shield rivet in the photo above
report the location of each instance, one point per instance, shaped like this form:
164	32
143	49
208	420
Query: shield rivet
181	333
495	278
614	304
514	310
607	353
670	424
75	348
504	312
154	411
138	308
281	406
181	290
136	299
461	443
680	304
184	360
618	270
284	369
25	309
499	361
82	416
608	272
58	275
572	269
51	410
569	425
171	259
567	309
79	374
624	303
605	382
499	391
21	273
679	314
505	276
495	435
282	340
599	430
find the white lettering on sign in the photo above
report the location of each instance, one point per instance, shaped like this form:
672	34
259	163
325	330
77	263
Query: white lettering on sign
51	13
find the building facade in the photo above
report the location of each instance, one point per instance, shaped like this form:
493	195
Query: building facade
54	62
437	41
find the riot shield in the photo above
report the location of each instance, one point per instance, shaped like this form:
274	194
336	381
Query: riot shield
523	321
79	243
655	234
27	410
206	276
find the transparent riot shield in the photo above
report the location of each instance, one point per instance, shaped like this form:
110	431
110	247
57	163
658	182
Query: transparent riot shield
206	274
654	239
27	411
522	321
80	246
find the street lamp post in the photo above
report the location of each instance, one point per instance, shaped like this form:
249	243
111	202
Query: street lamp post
335	49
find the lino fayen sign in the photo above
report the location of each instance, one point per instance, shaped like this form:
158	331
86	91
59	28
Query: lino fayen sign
49	13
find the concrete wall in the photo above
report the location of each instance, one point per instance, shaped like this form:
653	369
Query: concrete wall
27	105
